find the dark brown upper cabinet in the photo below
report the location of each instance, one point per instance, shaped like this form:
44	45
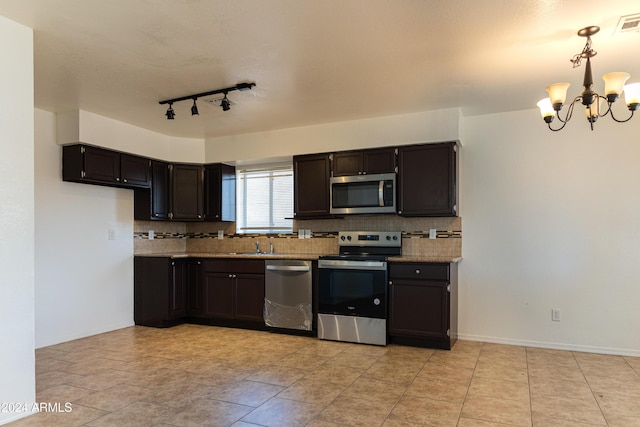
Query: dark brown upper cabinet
187	192
154	203
219	192
363	162
94	165
135	170
427	180
311	175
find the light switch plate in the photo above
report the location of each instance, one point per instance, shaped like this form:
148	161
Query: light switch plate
432	233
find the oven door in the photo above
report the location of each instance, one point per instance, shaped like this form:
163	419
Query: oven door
353	288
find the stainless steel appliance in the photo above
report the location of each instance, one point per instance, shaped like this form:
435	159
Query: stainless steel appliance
352	287
287	294
363	194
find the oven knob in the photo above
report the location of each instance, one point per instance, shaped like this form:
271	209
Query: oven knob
349	238
342	238
395	237
376	301
388	237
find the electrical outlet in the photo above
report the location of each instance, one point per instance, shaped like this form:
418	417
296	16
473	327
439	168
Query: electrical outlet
112	234
152	235
432	233
220	234
555	314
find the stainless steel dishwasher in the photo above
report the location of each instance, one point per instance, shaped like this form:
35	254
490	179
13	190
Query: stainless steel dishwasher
287	294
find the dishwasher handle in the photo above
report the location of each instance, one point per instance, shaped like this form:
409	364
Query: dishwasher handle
288	267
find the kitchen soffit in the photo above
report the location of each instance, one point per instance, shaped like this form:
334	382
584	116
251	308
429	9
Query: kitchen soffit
313	62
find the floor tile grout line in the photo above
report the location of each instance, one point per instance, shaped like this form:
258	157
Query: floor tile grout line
593	394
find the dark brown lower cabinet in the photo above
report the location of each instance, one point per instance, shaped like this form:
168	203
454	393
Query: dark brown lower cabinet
233	291
194	287
160	285
423	303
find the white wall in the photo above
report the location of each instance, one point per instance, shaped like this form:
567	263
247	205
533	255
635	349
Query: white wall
428	126
17	373
551	220
83	126
84	281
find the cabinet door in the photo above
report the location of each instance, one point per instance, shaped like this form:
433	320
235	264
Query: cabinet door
218	295
194	288
249	301
177	289
159	190
427	180
135	171
186	192
219	193
311	185
379	161
419	308
347	163
101	165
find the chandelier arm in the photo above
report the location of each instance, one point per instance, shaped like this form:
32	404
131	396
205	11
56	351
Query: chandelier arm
560	128
620	121
604	98
567	116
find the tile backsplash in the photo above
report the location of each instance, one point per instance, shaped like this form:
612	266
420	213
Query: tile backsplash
172	237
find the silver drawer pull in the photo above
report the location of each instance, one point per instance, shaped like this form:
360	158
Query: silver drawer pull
417	271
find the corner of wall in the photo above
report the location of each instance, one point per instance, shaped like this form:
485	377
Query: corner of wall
68	127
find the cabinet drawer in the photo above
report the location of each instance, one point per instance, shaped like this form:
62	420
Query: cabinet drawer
224	265
419	271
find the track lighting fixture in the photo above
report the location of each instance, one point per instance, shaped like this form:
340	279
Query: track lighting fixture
194	108
595	105
225	103
170	113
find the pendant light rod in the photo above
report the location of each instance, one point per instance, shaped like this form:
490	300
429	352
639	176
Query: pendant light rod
239	86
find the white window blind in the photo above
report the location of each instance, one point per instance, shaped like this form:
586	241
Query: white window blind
264	199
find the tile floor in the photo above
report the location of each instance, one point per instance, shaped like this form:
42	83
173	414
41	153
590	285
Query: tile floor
193	375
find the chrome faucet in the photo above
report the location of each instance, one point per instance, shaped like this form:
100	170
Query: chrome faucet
258	247
271	247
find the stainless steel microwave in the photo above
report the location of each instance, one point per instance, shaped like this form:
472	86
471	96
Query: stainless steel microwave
363	194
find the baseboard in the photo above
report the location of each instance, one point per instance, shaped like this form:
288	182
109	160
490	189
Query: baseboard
552	345
15	417
84	334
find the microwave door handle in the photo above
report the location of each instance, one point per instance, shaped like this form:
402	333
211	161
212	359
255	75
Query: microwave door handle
381	193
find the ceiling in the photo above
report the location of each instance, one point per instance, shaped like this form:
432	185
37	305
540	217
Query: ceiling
313	61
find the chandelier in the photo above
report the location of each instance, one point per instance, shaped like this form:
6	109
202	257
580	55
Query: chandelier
594	105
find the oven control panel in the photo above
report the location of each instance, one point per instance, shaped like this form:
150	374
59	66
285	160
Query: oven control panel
370	238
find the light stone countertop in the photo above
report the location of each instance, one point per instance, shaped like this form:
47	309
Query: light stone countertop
300	256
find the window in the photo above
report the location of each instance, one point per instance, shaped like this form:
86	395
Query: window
265	199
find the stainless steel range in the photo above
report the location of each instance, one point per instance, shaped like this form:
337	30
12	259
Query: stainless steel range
352	287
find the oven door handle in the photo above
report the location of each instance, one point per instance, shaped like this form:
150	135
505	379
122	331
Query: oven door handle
352	265
381	193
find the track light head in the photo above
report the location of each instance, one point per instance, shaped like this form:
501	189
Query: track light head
170	113
194	108
225	104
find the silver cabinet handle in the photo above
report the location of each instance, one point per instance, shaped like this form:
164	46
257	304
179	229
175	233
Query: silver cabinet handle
417	271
